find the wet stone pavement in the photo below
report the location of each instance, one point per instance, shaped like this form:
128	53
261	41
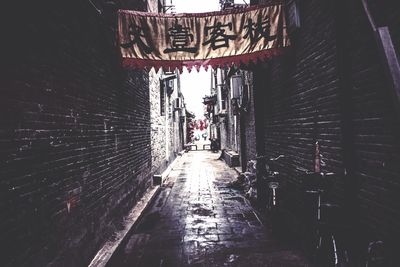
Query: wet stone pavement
197	220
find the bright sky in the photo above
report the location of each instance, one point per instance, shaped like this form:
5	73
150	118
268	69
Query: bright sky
195	85
194	6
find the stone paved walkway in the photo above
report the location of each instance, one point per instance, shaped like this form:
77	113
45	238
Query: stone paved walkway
197	220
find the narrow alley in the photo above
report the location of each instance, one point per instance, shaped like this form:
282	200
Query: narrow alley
200	133
198	220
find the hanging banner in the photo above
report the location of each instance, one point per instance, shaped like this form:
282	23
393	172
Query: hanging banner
170	41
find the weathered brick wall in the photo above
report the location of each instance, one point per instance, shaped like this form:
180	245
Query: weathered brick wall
74	135
300	105
165	139
332	89
247	123
174	143
158	128
172	133
223	121
177	125
375	125
231	133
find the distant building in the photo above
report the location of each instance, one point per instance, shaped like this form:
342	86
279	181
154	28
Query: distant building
167	112
230	110
168	118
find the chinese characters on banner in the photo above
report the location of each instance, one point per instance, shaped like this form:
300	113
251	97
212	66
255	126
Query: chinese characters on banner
216	38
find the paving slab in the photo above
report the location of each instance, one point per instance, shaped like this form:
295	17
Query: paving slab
198	220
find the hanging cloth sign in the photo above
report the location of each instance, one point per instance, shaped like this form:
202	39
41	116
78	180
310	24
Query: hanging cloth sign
235	36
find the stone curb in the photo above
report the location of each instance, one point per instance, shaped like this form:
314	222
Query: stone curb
107	251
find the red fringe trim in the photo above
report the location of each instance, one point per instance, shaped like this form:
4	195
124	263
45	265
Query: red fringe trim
239	60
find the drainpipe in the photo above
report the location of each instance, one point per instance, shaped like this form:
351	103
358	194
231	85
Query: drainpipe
388	56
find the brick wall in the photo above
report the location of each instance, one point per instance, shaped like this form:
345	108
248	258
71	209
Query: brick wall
165	137
74	135
232	133
300	105
174	121
240	137
375	126
247	123
158	125
330	87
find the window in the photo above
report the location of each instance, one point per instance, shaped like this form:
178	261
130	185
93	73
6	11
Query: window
223	104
